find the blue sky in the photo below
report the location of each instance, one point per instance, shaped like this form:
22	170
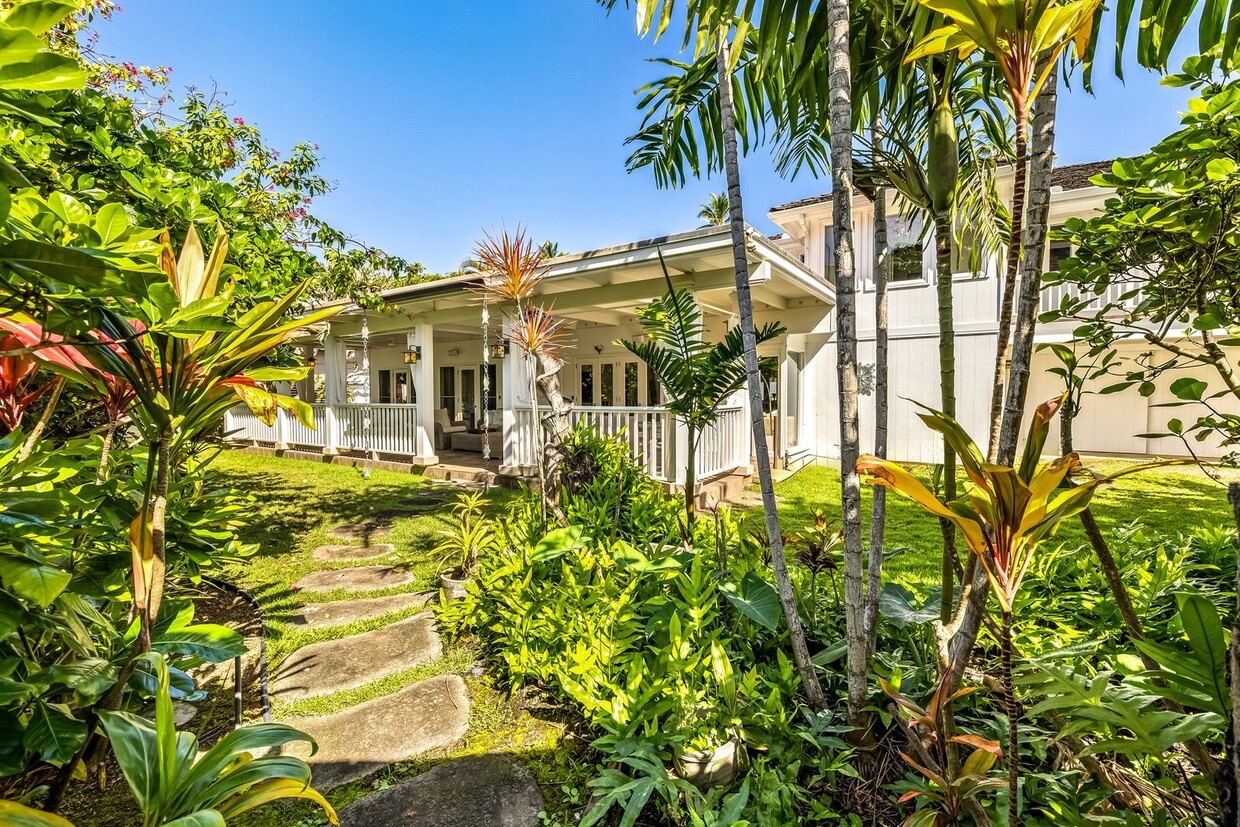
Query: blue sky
439	119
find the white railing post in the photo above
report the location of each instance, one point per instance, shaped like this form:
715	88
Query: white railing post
281	435
331	432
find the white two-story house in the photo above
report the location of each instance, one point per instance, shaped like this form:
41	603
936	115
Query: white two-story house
418	381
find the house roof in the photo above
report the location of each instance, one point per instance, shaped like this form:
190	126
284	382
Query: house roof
607	283
1069	177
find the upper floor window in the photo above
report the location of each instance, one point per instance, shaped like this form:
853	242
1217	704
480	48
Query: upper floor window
906	256
1057	250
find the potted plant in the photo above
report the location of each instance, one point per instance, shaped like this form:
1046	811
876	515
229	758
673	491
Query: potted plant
463	544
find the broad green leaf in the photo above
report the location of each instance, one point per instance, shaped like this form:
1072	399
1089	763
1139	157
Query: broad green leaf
208	641
558	542
52	734
111	222
39	16
37	582
202	818
755	598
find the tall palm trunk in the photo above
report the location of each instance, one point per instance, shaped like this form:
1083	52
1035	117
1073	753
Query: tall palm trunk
878	509
839	82
1009	276
744	306
947	395
1036	220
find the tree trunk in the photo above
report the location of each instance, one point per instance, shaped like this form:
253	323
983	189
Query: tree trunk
839	82
878	509
1036	219
105	454
947	397
1009	277
744	307
690	479
32	439
556	422
1013	716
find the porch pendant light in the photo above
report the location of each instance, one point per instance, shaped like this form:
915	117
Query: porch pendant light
413	355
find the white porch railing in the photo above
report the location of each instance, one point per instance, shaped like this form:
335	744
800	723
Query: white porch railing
1052	296
649	433
393	428
724	446
654	437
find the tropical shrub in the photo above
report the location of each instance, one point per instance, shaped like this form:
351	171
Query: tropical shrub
65	600
645	637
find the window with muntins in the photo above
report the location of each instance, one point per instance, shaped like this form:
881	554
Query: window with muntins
906	259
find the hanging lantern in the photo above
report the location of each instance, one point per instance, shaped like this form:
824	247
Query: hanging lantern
413	355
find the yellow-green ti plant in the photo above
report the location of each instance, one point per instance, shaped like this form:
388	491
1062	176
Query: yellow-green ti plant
1025	38
187	363
1004	515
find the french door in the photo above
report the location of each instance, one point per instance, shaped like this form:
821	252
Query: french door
624	382
461	391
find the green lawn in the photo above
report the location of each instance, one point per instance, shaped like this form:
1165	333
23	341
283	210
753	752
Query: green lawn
1166	501
296	502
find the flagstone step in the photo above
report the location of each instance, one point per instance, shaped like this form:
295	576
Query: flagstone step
337	665
357	741
339	612
477	791
340	554
356	579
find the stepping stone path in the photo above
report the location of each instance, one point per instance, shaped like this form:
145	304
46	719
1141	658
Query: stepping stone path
326	615
359	579
357	741
337	665
339	554
450	795
431	714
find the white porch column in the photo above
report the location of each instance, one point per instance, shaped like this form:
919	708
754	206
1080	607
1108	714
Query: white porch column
423	338
335	376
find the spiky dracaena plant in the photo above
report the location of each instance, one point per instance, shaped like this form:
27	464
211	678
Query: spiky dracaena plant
1004	516
114	393
512	268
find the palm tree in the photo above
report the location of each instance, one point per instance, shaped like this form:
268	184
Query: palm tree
719	23
714	210
697	376
1025	39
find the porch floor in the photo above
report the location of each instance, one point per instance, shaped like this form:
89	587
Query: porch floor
469	459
